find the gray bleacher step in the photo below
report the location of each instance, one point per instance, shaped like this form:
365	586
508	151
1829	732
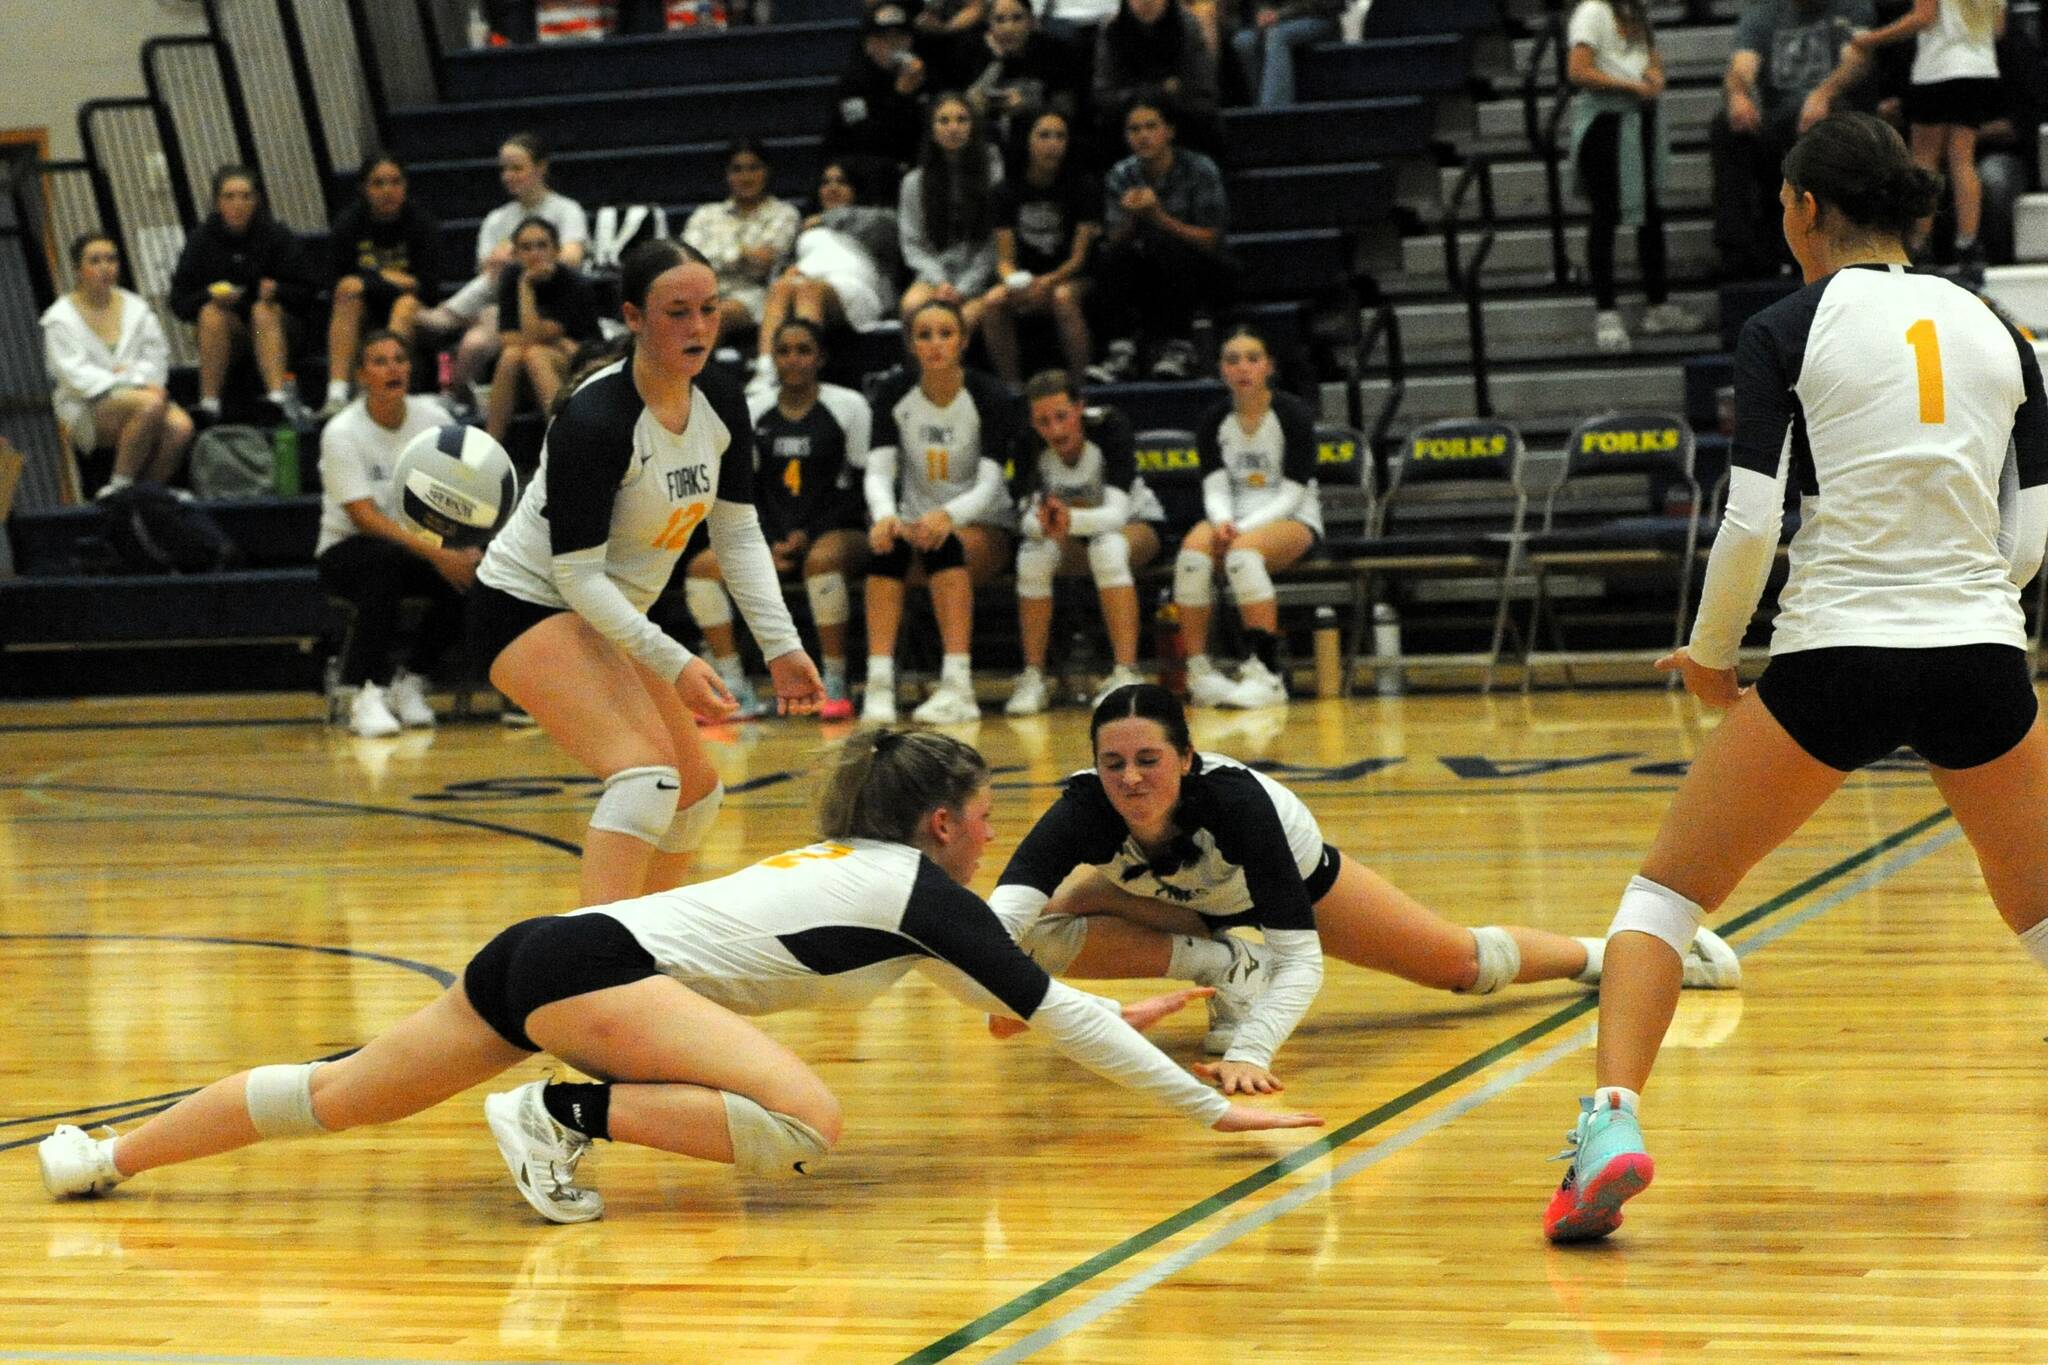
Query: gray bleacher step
1520	252
1699	53
1434	332
1519	190
1497	125
1536	395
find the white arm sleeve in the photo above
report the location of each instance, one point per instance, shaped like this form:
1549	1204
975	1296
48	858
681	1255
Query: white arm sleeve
1285	500
976	501
580	578
856	420
1017	906
1027	517
879	483
1738	565
1089	522
1216	505
749	572
1297	974
2030	535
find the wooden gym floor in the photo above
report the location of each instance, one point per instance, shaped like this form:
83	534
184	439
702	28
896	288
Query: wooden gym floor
1849	1151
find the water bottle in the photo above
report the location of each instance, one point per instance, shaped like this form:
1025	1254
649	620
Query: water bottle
284	461
444	371
1329	655
1386	647
1173	673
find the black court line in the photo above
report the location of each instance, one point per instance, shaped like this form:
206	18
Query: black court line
307	802
1033	1299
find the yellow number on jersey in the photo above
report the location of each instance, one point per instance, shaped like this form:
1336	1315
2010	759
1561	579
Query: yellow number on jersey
936	461
793	478
797	857
676	532
1927	360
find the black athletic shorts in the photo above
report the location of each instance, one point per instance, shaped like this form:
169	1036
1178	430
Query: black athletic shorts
497	618
1317	883
539	961
950	554
1957	706
1967	103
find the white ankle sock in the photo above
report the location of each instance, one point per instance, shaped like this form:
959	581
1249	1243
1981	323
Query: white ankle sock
1200	663
957	670
337	390
1596	956
881	670
106	1146
2035	941
1203	961
210	406
1630	1100
276	396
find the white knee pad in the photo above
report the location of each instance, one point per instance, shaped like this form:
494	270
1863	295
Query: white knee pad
1054	941
831	604
709	606
1660	912
1249	581
1109	559
1500	961
1192	575
693	822
1037	562
280	1100
767	1143
639	801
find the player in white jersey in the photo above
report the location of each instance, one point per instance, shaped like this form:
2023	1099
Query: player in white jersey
1912	422
1262	513
637	457
935	497
1185	846
650	992
1082	506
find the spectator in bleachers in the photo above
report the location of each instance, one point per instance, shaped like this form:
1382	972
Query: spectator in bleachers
1262	512
743	237
810	445
1162	261
384	261
1792	62
1952	91
1265	46
934	489
2009	147
1023	73
1081	506
1154	50
1620	146
948	37
877	110
106	351
845	267
546	310
369	560
945	213
243	282
471	310
1048	219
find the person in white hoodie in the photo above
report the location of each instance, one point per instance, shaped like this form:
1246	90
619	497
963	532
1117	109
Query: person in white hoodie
107	353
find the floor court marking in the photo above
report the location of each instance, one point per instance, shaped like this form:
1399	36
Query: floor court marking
170	1358
1033	1299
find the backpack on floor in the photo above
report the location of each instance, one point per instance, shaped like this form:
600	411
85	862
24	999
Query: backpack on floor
152	530
233	462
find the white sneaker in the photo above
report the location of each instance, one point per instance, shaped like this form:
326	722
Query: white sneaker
407	699
878	707
948	705
369	717
541	1155
1027	695
1665	319
1235	994
1610	334
1257	686
1210	688
75	1162
1711	965
1120	676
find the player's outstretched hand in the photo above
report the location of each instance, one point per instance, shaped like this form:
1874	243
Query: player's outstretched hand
799	691
1242	1118
1239	1078
704	692
1143	1014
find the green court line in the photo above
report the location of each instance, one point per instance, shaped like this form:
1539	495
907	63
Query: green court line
1033	1299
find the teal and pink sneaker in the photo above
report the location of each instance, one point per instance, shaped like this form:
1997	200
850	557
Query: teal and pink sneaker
1609	1168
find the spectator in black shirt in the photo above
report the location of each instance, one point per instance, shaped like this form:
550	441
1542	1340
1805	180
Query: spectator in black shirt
876	109
545	311
384	258
243	282
1023	72
1048	219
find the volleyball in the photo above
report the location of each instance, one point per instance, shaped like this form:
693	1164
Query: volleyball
455	485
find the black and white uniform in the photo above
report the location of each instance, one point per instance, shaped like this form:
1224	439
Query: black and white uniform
1104	491
833	924
1912	422
599	528
805	469
1249	853
925	456
1265	477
